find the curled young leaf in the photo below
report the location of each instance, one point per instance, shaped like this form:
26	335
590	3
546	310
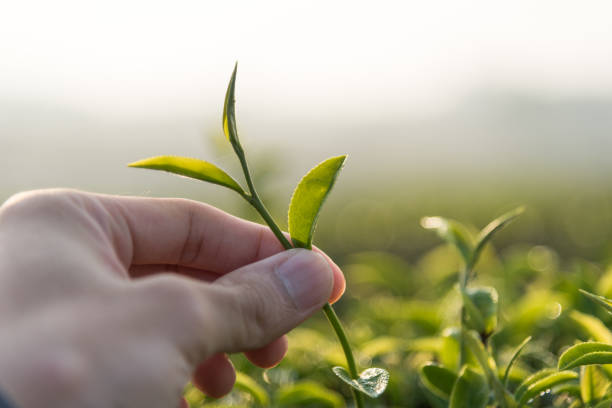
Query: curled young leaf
308	199
188	167
541	381
372	381
487	232
586	354
470	390
452	232
229	111
439	380
481	309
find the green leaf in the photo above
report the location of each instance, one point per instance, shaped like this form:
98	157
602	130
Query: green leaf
247	384
439	380
470	390
585	354
602	301
472	341
607	403
308	392
587	384
371	381
452	232
494	226
540	382
486	361
229	111
188	167
515	355
592	327
308	199
481	306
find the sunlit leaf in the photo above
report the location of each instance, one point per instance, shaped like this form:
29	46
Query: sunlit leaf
308	392
308	199
193	395
481	306
372	381
494	226
470	390
247	384
229	111
541	381
585	354
452	232
592	327
602	301
515	355
587	386
188	167
439	380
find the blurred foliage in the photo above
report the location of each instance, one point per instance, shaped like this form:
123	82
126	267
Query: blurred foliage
402	305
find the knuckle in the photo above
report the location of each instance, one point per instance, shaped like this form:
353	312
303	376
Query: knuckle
31	203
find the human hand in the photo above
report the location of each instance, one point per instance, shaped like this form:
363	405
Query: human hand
117	301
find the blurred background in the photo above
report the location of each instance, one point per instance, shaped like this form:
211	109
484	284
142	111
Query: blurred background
462	109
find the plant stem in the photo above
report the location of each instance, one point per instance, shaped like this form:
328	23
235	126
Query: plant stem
255	201
346	347
463	281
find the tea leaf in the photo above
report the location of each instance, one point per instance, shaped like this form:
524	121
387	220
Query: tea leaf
602	301
308	392
452	232
517	352
229	111
585	354
247	384
439	380
372	381
487	232
481	306
472	341
607	403
541	381
591	326
188	167
470	390
308	199
593	384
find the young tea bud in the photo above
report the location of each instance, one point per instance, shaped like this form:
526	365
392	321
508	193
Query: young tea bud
484	318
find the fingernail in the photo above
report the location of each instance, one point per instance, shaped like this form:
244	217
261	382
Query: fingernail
307	277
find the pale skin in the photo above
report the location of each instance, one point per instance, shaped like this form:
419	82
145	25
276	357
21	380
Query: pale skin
110	301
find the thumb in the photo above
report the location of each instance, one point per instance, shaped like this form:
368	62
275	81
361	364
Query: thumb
258	303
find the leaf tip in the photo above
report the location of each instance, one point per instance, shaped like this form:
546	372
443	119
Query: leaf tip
431	222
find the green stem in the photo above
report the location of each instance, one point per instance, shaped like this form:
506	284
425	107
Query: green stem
346	347
463	281
255	201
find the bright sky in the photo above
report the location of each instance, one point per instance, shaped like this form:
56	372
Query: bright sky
132	57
